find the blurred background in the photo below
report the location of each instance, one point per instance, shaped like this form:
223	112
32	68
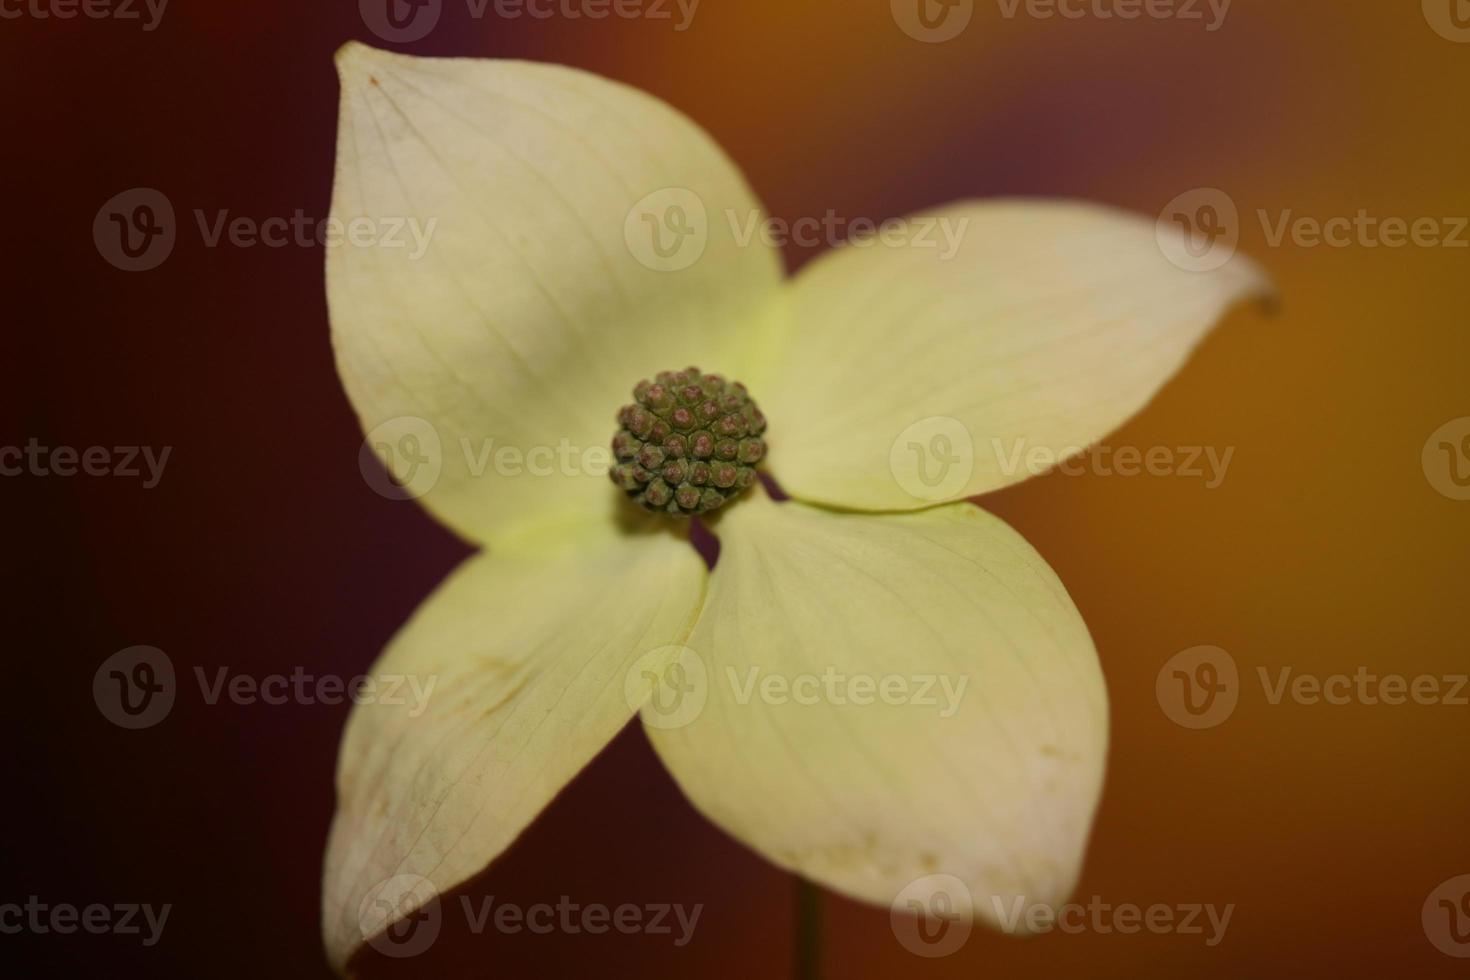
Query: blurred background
1335	544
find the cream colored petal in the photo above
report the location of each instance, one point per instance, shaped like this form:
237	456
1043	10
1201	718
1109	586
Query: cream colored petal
1004	335
886	698
496	292
503	685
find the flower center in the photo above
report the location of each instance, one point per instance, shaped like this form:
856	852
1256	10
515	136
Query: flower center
688	443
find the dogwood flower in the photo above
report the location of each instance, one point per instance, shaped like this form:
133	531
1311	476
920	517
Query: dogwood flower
585	237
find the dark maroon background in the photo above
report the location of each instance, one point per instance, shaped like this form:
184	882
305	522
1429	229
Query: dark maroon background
265	551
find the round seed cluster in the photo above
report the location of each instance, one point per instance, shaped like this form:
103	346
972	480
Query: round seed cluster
688	443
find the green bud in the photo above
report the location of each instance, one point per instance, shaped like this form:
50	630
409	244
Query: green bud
751	451
650	457
689	443
702	445
687	497
625	446
658	493
682	419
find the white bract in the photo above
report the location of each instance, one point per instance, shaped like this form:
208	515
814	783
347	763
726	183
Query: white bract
528	318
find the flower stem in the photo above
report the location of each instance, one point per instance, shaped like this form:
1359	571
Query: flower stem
808	931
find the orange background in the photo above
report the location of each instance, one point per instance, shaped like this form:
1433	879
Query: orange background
1326	549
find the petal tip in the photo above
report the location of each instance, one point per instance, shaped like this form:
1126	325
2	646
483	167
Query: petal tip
352	60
